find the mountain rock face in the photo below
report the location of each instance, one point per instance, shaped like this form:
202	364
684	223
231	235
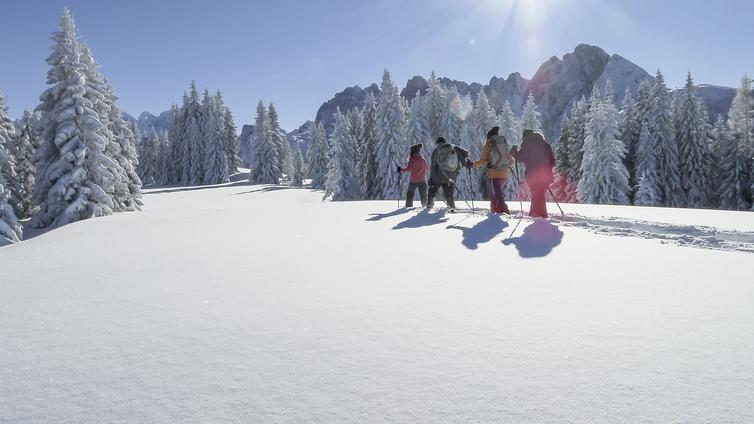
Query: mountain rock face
556	85
514	89
148	123
418	84
622	74
718	99
350	98
300	136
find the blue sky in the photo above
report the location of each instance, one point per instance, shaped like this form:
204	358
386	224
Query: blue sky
299	53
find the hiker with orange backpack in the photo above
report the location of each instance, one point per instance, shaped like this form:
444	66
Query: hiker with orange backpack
496	158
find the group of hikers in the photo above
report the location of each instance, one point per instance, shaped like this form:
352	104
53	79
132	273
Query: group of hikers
448	160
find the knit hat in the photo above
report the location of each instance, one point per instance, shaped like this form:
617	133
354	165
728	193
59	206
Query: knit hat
440	140
416	148
528	132
493	132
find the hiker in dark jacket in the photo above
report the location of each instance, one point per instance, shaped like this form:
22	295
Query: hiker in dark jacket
496	159
536	155
417	167
444	167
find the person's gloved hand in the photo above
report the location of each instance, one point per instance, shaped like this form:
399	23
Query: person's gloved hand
469	164
514	149
399	169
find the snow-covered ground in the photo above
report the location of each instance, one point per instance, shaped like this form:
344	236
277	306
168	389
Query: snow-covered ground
262	304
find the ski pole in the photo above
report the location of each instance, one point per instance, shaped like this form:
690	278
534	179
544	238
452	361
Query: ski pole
556	201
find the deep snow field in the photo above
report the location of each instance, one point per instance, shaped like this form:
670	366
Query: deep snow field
260	304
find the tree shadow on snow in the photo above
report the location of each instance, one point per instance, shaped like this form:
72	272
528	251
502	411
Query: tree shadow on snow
169	189
483	232
268	189
380	216
538	239
424	218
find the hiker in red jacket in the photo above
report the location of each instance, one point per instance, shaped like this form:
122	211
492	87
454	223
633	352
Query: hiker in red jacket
418	168
536	155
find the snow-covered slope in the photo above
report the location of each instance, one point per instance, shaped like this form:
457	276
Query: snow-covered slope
251	303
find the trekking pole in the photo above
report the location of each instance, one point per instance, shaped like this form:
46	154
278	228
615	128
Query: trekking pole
458	191
471	190
399	190
518	184
556	201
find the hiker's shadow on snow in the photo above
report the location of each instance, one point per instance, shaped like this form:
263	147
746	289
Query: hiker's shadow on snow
538	239
380	216
424	218
483	232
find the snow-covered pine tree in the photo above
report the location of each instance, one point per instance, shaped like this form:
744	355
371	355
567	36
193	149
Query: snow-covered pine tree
341	182
193	146
8	156
163	155
213	129
100	93
436	102
391	139
741	123
562	188
647	192
647	166
10	228
318	156
484	120
175	136
691	124
741	114
731	190
367	162
278	136
630	127
70	172
127	154
643	102
530	117
231	140
662	130
417	128
25	144
604	178
509	126
265	151
577	132
452	117
298	167
148	159
356	124
207	136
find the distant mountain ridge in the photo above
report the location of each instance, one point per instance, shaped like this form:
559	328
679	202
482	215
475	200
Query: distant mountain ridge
556	85
148	123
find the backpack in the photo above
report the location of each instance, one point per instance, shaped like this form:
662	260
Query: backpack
498	154
447	159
